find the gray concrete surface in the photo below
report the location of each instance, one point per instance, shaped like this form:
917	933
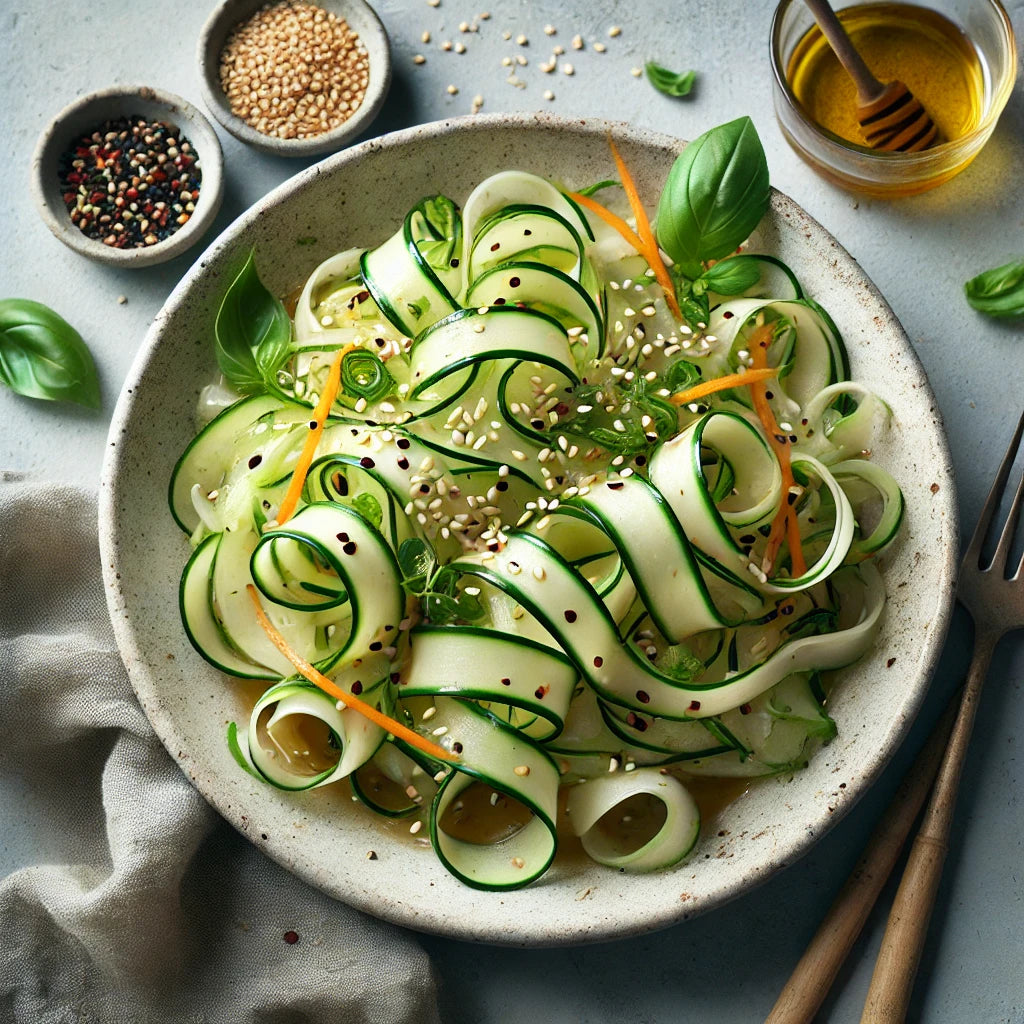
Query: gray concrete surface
727	966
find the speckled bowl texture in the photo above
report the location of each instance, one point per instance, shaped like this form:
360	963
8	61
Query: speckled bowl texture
89	112
361	18
358	198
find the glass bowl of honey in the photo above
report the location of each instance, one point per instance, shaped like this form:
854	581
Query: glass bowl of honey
958	57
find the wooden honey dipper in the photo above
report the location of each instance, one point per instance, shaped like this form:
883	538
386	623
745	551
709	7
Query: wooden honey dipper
890	116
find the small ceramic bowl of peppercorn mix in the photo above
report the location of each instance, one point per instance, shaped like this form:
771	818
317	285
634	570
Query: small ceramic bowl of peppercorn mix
129	176
294	77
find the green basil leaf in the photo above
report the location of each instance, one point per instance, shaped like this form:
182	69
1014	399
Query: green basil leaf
671	83
416	561
252	333
716	194
682	375
731	276
999	291
43	356
598	186
696	309
369	508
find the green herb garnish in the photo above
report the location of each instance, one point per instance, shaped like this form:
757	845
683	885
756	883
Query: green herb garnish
716	194
671	83
998	292
252	333
43	356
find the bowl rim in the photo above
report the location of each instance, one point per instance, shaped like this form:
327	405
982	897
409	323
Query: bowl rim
501	929
230	13
951	148
186	117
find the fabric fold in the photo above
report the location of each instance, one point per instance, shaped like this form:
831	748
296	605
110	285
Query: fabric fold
130	900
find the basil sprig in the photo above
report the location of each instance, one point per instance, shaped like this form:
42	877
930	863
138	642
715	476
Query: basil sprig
43	356
435	585
730	276
998	292
671	83
252	333
716	194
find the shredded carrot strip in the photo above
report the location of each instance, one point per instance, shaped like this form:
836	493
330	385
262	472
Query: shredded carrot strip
730	380
784	525
798	565
643	227
613	220
331	388
316	677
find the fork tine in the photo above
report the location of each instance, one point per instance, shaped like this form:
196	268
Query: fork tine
973	553
1002	552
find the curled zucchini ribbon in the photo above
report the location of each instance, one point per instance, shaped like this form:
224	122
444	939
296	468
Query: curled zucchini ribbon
625	621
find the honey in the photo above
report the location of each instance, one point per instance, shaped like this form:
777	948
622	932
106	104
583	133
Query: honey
914	45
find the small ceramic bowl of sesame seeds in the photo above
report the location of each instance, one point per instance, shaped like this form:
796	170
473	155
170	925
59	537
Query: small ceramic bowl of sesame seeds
295	77
129	175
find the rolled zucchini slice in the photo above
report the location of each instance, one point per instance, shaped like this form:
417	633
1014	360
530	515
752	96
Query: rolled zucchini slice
642	801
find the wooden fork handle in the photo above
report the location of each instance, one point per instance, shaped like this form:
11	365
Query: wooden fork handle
896	967
807	987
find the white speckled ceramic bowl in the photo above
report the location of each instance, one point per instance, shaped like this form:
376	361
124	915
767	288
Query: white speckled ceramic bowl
357	198
361	18
89	112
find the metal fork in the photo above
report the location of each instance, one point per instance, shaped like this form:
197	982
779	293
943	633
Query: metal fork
996	604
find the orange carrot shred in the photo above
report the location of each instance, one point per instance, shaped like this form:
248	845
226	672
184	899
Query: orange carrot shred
650	248
798	566
332	387
730	380
784	525
611	219
315	676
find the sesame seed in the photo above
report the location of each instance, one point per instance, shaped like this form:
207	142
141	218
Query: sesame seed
522	770
614	31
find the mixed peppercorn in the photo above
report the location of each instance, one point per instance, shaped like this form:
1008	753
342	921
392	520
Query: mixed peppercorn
130	183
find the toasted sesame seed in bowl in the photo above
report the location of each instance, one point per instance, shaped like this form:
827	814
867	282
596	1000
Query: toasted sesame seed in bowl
294	77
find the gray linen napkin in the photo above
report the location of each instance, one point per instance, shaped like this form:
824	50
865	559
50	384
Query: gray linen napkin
141	905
